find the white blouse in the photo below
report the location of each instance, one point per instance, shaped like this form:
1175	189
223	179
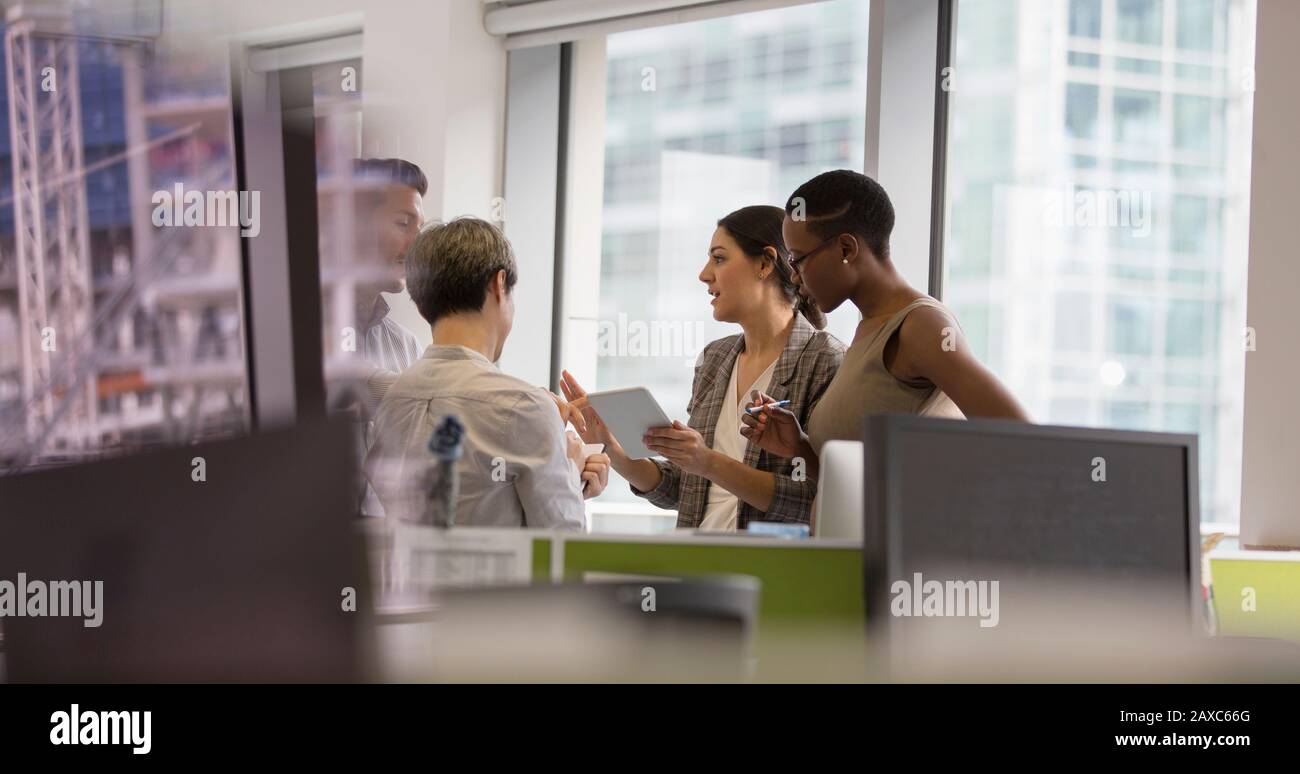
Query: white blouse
720	513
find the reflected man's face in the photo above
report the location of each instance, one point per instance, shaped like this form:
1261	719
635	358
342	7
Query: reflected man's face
395	222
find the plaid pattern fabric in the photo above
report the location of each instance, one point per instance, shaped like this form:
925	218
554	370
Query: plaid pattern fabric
802	373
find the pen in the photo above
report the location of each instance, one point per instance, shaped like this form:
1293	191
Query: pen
778	404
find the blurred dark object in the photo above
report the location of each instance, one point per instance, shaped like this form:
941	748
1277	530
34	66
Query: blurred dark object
441	484
241	577
1035	500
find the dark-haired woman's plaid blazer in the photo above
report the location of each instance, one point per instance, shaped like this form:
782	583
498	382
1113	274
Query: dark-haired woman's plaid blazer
803	371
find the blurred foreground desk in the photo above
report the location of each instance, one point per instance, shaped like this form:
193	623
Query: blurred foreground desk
810	619
810	624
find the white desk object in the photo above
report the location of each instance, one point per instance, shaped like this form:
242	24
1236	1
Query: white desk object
839	491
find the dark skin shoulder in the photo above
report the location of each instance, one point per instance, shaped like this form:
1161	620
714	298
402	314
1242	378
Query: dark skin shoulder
930	346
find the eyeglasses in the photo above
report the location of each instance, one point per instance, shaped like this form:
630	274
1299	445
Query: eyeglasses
794	262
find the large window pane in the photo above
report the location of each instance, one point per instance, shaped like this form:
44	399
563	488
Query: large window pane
781	97
1096	232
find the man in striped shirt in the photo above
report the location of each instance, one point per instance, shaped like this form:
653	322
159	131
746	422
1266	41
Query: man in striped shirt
386	343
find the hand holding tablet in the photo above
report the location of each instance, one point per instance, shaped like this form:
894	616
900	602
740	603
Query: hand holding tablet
627	414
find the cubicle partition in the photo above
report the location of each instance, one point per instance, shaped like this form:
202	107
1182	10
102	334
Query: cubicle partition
810	621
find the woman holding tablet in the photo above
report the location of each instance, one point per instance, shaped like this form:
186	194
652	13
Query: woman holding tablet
908	355
711	476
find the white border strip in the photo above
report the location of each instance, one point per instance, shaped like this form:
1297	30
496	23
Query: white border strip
712	10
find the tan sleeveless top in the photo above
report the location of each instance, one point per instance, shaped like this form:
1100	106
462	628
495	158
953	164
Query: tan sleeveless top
863	387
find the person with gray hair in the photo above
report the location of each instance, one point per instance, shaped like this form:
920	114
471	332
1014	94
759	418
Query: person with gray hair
519	467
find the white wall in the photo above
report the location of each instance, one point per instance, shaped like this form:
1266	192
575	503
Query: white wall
433	90
440	80
470	108
1270	486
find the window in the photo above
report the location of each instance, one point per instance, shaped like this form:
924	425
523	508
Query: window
1137	117
1187	324
1082	59
1138	274
838	69
1139	21
1085	18
796	56
783	98
1141	66
1130	326
794	145
1081	110
1191	221
1197	24
1194	119
716	73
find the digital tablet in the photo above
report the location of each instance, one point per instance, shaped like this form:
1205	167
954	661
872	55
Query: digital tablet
628	413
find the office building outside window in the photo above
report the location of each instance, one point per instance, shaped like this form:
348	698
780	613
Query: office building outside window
1097	213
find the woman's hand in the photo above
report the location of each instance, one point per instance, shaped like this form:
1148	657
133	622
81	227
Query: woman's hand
643	475
595	475
569	413
682	446
774	430
594	430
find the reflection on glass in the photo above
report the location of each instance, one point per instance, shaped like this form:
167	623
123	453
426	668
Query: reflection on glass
120	322
370	211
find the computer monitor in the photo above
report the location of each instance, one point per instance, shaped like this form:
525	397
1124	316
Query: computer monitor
223	561
959	500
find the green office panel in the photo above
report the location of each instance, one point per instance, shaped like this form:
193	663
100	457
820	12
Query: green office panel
821	585
1257	598
541	560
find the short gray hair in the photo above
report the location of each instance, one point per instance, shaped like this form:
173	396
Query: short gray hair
450	265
